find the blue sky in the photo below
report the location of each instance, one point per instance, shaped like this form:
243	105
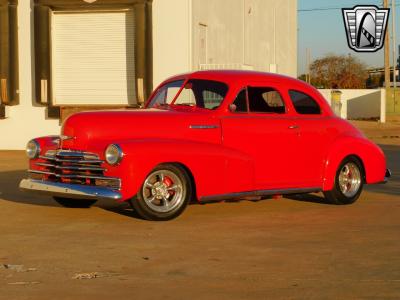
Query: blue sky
323	31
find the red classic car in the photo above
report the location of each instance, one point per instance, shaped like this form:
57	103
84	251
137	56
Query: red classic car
208	135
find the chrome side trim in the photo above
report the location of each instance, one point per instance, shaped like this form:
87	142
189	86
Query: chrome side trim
260	193
75	191
203	126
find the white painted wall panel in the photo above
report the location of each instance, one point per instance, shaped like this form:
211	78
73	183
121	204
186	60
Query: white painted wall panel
259	34
171	38
360	103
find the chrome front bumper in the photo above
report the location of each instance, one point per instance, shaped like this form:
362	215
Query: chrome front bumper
76	191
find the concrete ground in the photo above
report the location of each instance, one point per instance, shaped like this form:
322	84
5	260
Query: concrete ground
288	248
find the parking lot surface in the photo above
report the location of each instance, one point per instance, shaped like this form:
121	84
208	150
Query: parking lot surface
286	248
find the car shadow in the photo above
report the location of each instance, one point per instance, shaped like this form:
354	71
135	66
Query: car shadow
9	191
312	198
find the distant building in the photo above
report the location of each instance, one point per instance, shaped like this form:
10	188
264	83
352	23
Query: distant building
376	77
61	56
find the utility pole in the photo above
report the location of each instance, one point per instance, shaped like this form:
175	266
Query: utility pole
394	49
387	63
308	62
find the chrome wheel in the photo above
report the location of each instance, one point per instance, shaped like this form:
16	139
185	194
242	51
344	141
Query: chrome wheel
350	179
163	191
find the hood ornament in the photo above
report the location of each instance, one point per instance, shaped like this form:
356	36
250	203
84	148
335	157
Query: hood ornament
66	137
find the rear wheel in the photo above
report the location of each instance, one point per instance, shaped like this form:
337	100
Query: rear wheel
74	203
164	194
349	182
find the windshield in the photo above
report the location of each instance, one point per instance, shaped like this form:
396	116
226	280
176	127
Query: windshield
200	93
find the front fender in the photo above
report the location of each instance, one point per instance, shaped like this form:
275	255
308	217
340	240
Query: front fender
215	168
371	156
46	143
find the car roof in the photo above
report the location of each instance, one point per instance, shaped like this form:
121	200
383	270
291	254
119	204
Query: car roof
234	75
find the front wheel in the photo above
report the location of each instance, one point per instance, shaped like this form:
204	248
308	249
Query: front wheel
74	203
165	193
349	182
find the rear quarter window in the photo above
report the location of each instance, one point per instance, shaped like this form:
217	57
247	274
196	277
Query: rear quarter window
304	104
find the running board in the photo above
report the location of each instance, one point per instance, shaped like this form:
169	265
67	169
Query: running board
259	193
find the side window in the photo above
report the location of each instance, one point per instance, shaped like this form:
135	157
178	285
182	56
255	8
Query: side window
304	104
241	102
186	97
265	100
166	93
211	99
207	94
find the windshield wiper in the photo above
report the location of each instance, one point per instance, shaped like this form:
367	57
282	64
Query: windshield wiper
161	105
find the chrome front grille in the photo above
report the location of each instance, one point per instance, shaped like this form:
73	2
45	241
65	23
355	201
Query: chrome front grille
74	167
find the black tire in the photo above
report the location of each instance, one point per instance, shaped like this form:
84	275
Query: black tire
337	195
148	210
74	203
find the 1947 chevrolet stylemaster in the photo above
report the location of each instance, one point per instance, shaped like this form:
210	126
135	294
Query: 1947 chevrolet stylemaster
208	135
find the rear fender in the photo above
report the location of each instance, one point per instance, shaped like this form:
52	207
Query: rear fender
370	155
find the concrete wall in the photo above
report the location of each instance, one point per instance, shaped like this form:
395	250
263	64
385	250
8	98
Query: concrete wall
171	38
256	33
25	121
360	103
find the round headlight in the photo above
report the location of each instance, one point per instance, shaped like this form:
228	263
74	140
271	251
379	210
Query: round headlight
32	149
113	154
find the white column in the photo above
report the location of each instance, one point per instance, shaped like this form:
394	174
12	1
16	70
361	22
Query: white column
383	106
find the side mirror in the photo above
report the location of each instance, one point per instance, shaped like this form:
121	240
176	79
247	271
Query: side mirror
232	107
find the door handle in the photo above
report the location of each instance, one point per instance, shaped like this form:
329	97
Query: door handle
293	126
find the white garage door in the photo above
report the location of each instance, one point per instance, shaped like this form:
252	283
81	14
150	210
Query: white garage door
93	58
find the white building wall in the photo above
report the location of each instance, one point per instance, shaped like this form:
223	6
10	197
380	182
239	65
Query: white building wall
238	32
24	120
360	103
259	34
171	38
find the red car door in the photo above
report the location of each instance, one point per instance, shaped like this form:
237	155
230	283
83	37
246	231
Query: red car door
258	125
316	134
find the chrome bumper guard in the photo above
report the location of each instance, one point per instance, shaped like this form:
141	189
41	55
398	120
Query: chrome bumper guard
76	191
388	174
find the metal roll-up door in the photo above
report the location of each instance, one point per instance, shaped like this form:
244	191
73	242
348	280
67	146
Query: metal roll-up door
93	59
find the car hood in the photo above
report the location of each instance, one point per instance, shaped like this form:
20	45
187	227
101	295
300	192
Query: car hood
90	130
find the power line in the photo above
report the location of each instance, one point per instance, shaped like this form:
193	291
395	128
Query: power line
318	9
331	8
